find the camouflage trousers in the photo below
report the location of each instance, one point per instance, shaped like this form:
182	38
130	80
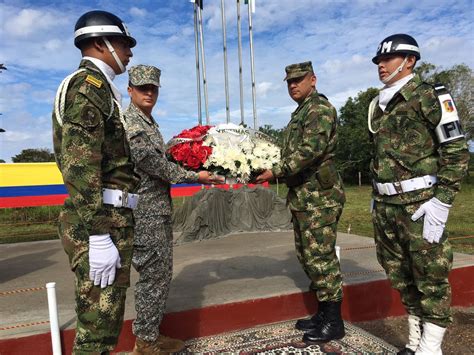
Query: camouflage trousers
315	244
417	269
153	260
99	310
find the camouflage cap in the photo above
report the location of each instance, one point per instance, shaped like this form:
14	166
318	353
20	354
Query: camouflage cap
144	74
298	70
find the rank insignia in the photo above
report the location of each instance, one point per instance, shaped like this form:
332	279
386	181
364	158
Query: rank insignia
448	105
94	81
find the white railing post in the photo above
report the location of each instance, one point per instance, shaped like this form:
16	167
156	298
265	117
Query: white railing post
53	318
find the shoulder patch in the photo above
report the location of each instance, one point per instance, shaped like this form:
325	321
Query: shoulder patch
94	81
90	117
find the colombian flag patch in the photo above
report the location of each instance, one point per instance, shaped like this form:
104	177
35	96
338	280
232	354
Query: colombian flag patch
448	105
94	81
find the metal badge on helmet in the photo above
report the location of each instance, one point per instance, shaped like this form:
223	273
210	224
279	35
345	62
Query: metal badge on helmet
402	44
100	24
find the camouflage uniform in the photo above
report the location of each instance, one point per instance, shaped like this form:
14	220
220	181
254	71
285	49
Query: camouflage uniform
406	147
153	241
92	153
316	195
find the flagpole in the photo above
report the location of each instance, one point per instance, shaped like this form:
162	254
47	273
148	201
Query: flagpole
254	99
239	36
203	61
226	75
198	73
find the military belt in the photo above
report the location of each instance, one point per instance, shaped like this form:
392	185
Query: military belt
399	187
119	198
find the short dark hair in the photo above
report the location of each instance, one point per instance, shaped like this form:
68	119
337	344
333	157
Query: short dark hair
87	42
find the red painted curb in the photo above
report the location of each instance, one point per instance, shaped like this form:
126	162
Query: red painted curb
364	301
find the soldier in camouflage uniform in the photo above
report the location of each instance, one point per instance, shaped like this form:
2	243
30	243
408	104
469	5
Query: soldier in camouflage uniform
315	197
420	157
96	223
153	240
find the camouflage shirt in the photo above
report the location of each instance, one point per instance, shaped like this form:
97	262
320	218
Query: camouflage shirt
406	146
92	152
309	143
155	171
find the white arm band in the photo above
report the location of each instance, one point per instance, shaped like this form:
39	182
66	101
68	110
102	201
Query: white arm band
449	127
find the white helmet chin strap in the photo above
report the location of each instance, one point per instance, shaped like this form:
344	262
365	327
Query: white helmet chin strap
398	70
114	54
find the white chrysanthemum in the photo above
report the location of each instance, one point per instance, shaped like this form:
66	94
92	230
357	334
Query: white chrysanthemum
247	146
238	152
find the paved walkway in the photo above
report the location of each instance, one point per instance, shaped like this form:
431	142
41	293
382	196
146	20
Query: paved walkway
235	268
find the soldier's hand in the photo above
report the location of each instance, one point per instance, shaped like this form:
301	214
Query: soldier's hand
104	259
266	175
435	215
205	177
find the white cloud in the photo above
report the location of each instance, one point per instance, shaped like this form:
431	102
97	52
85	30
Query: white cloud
137	12
339	99
44	96
264	88
53	44
16	136
13	96
28	22
160	113
339	37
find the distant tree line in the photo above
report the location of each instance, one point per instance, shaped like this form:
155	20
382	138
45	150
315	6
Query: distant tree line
40	155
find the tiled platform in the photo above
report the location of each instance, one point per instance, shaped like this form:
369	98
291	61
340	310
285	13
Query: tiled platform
219	285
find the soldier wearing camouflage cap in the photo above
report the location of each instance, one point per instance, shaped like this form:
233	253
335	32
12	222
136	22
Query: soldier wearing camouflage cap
153	241
315	197
420	158
96	223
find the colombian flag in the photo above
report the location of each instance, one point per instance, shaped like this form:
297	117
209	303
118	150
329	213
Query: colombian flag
41	184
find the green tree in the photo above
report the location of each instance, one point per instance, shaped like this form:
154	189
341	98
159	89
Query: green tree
459	80
275	133
2	161
353	149
34	156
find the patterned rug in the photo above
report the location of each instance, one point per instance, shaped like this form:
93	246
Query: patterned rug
283	338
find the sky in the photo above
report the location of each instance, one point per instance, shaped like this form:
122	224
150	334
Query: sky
339	37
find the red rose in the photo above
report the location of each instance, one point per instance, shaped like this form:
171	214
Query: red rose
193	162
191	154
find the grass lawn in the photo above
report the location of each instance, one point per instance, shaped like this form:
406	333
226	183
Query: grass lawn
356	218
39	223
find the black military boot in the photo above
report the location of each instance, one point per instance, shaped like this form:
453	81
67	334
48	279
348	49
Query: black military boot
308	324
331	328
406	351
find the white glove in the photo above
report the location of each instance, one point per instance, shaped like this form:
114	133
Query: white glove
103	259
436	215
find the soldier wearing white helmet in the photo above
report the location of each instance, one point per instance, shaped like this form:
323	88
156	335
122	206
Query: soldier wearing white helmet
420	157
92	153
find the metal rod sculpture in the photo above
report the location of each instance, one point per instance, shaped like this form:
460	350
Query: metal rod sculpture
226	75
198	71
198	3
252	70
200	57
241	85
